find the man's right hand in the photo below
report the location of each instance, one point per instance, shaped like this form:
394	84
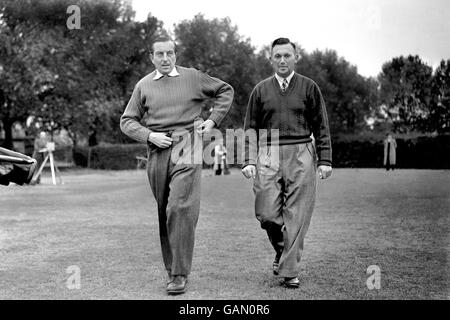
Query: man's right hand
160	139
249	171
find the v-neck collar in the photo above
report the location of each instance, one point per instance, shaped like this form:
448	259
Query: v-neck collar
288	89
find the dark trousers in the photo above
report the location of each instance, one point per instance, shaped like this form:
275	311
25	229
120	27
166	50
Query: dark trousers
176	188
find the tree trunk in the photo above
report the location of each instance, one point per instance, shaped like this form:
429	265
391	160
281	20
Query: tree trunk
7	127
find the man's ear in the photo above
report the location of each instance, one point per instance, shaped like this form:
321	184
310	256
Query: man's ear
297	57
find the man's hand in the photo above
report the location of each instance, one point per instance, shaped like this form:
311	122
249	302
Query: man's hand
324	171
160	140
249	171
205	126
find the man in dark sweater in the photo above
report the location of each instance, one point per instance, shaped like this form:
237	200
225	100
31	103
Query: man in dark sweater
163	107
288	107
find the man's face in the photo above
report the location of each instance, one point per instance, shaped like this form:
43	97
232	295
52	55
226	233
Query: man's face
164	56
283	59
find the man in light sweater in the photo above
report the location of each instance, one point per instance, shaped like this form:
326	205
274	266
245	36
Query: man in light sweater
285	184
164	105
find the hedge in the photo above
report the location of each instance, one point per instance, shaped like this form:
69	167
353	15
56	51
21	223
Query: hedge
111	157
354	152
419	153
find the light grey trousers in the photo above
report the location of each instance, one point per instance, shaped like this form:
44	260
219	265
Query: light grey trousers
176	188
285	193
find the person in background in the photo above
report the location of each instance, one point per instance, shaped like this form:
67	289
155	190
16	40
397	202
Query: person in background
219	158
390	154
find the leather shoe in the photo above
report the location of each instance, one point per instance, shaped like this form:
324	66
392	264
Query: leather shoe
170	278
177	286
291	282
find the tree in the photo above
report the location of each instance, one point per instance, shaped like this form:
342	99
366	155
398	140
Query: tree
405	88
215	47
348	95
16	78
75	77
439	117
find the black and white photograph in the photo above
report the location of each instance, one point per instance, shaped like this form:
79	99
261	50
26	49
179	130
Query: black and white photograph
225	158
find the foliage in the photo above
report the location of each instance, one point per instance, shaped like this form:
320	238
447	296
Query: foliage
348	95
83	78
113	157
79	78
215	47
439	117
412	152
405	84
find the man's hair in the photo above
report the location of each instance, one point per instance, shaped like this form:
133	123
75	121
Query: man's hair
281	41
163	39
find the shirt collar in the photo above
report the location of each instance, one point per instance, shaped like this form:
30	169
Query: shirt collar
288	78
159	75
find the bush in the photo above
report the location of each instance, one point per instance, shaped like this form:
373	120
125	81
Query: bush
419	152
111	157
424	152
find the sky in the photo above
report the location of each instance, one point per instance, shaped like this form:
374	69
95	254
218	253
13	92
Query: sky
367	33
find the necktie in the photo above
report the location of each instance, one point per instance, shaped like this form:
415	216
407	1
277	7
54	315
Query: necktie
284	85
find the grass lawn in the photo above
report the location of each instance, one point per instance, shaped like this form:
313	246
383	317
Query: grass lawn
105	222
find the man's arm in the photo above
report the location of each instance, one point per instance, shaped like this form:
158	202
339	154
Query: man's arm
221	91
251	126
130	122
319	125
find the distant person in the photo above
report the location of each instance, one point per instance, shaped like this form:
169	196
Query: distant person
390	156
220	153
40	144
285	190
166	103
92	141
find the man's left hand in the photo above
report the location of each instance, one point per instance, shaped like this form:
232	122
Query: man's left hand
324	171
205	126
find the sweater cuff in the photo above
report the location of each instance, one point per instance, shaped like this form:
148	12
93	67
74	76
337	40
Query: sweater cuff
248	162
216	118
324	163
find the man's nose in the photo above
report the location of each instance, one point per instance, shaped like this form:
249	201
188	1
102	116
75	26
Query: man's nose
283	60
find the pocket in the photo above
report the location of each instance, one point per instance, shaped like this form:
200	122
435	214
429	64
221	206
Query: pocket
151	149
312	151
266	162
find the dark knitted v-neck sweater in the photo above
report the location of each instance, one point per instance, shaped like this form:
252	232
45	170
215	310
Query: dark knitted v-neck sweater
297	112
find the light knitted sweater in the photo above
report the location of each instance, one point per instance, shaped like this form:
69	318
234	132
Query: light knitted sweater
173	103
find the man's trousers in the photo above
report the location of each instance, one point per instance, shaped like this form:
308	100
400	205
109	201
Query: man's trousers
176	188
285	192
